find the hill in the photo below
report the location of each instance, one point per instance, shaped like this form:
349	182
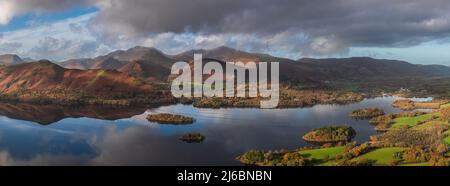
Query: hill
10	59
141	62
150	64
44	80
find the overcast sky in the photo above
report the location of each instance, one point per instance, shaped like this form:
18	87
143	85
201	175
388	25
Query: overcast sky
413	30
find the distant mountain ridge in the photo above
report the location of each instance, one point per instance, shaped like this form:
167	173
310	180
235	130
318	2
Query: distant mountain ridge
150	64
365	67
10	59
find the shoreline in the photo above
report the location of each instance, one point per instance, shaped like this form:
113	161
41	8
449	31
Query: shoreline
174	101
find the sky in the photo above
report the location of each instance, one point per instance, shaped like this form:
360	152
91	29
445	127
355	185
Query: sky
416	31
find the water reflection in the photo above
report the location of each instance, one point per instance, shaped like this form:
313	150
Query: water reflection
87	136
48	114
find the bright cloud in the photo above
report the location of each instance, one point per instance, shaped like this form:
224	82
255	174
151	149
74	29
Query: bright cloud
6	12
65	39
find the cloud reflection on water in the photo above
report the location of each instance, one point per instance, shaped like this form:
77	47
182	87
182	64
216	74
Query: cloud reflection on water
135	141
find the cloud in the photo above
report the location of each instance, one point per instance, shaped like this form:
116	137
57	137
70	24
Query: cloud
288	28
10	47
66	39
50	46
132	146
43	160
331	26
11	8
6	12
325	45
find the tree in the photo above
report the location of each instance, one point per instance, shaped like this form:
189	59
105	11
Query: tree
442	149
439	161
293	159
445	113
393	162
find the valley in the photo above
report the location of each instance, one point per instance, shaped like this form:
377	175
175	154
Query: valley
331	103
141	76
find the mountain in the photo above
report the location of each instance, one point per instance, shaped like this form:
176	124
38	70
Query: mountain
81	64
290	70
146	70
10	59
364	68
223	53
150	64
142	62
308	70
42	77
129	74
27	59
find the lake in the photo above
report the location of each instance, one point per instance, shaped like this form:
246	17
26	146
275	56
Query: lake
57	135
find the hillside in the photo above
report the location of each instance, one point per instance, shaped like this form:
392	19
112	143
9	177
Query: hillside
81	64
150	64
317	71
45	80
146	70
371	69
10	59
223	53
141	62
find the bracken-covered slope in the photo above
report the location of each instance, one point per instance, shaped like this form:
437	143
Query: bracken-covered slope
141	62
44	76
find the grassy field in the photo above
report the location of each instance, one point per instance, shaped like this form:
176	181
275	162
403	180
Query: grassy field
381	156
412	121
319	154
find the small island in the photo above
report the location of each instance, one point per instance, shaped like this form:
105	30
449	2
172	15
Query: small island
170	119
192	138
366	113
330	134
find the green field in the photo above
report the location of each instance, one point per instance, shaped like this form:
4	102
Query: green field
412	121
381	156
321	153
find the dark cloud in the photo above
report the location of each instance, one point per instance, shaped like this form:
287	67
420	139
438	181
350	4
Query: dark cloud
316	27
39	6
11	8
333	25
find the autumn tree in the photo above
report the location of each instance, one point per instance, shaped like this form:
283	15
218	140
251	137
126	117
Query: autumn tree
445	113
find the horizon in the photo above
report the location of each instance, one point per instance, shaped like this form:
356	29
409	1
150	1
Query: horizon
172	55
60	30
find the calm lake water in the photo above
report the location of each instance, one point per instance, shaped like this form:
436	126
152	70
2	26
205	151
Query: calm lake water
55	135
